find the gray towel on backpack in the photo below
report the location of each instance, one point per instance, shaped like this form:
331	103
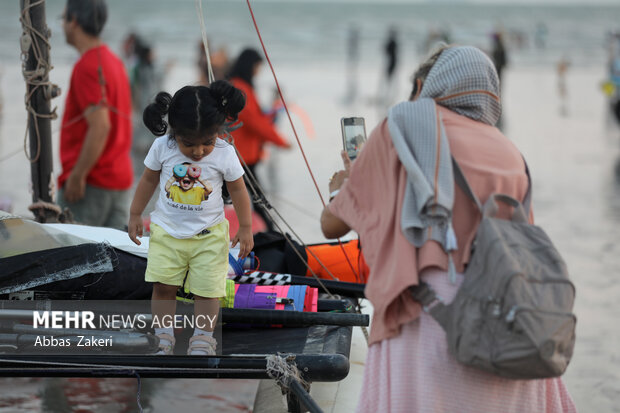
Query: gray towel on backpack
463	80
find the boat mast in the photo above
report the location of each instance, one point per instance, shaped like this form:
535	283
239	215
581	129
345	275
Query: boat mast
36	65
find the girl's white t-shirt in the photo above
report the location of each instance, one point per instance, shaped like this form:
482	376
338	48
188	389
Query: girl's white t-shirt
185	209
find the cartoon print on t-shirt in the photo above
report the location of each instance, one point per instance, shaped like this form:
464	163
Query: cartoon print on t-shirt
182	188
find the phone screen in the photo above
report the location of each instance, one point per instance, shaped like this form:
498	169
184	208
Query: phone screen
354	135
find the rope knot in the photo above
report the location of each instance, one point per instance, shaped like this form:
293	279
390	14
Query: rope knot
283	370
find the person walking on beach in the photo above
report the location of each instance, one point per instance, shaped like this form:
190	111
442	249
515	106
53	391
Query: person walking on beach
456	99
391	55
258	128
352	63
561	69
498	54
146	78
386	87
1	97
219	63
189	233
95	136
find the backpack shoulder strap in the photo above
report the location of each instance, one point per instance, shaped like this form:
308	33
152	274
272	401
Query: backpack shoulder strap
431	303
461	181
527	200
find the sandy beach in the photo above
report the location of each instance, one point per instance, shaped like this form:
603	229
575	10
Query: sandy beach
574	159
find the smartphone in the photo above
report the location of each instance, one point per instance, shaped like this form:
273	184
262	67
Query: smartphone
353	135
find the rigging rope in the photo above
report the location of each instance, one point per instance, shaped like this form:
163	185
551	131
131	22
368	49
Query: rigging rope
256	190
138	392
253	184
205	42
35	79
284	370
288	114
260	38
10	154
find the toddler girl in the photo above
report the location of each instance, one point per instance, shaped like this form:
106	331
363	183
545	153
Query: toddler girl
189	234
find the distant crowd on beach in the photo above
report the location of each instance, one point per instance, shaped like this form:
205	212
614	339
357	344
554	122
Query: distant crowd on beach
146	74
500	41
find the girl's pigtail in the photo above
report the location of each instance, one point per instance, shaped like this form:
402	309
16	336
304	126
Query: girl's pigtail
228	99
154	113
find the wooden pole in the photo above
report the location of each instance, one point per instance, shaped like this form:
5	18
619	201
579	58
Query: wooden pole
39	92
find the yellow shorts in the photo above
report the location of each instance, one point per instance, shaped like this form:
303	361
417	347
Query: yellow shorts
204	256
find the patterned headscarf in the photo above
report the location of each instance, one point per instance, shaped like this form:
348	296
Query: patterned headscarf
464	80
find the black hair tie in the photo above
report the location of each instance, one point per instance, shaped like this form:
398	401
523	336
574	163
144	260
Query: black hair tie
161	128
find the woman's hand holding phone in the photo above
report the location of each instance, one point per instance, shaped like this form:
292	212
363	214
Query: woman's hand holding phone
338	178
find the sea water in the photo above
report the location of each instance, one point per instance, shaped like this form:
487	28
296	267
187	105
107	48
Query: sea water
572	147
302	31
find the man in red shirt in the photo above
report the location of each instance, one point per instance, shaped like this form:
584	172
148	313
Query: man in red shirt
95	138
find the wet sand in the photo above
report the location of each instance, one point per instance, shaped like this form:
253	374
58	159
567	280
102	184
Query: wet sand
574	161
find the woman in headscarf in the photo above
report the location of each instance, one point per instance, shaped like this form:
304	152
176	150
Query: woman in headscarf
395	194
258	127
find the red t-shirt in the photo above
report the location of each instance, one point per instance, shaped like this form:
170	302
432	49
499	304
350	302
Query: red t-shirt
113	169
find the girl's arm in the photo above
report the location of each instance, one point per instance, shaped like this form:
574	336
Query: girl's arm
241	202
144	192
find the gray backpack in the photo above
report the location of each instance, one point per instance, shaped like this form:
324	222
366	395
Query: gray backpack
512	315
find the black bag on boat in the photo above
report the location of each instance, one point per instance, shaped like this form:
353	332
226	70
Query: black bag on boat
277	255
512	315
